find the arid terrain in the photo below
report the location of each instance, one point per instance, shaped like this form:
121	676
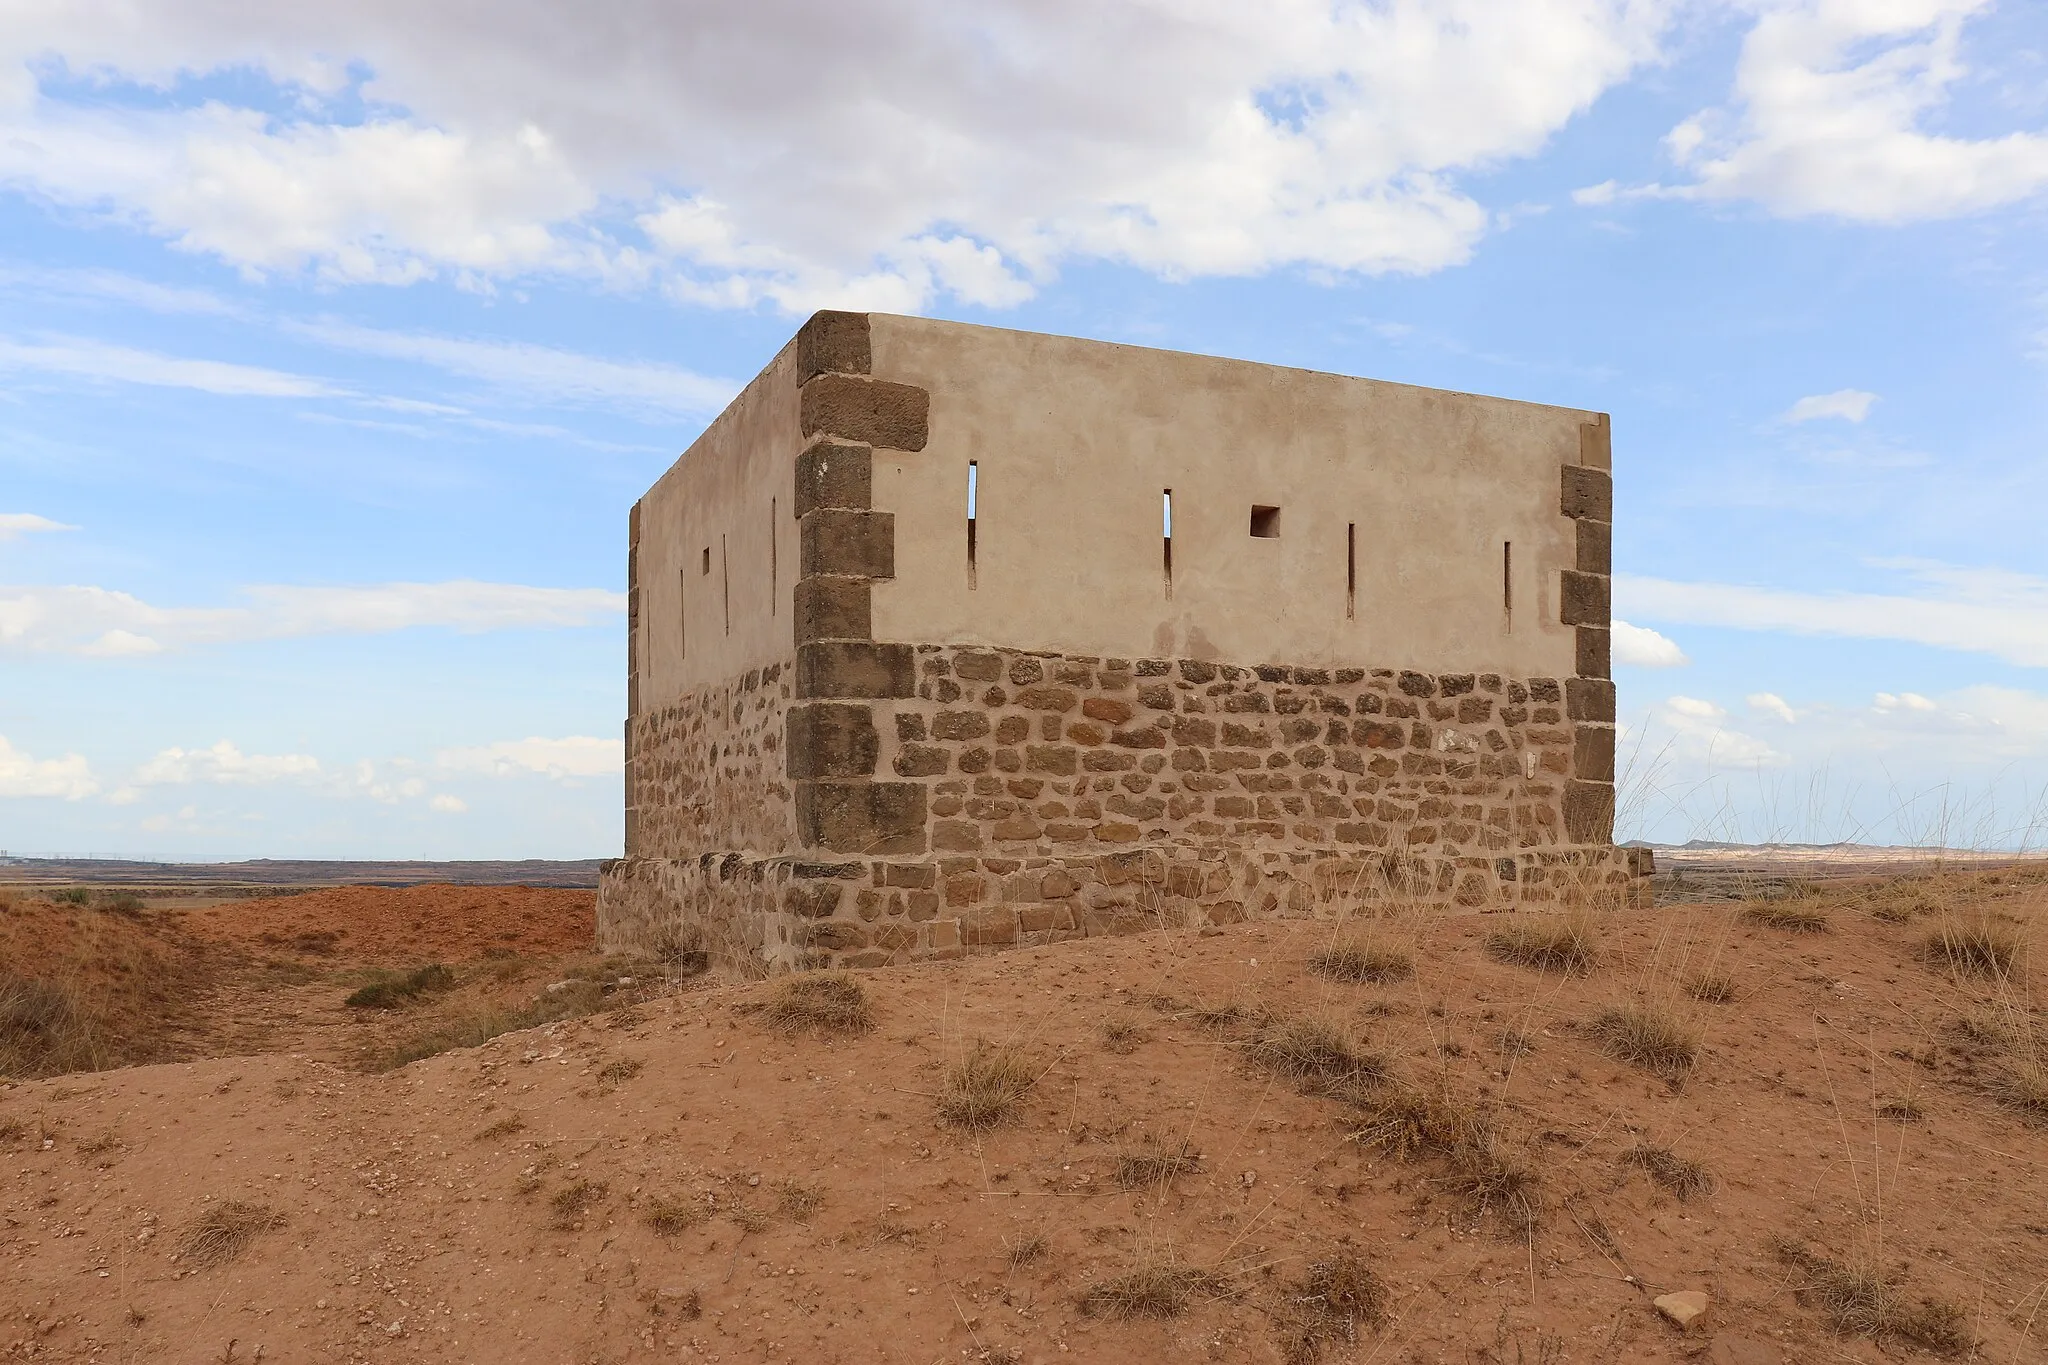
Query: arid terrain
1405	1136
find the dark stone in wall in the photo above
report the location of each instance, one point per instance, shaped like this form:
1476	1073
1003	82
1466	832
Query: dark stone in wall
1585	599
831	739
1586	493
894	416
1594	659
834	609
1595	547
1589	699
837	540
834	473
833	342
855	668
862	817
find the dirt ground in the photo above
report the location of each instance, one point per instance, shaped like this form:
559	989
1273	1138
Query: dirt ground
674	1175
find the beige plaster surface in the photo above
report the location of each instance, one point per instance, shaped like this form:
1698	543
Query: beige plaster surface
1075	441
728	494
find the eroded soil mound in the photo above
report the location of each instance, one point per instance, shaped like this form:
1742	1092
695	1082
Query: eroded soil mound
400	925
1391	1140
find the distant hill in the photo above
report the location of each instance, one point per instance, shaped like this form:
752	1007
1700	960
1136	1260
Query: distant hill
291	872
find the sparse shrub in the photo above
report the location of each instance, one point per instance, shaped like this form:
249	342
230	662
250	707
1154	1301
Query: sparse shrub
1901	1109
44	1028
680	948
1151	1170
1679	1175
798	1199
1409	1123
1860	1301
223	1232
1713	988
985	1087
73	895
1154	1290
747	1218
1650	1036
670	1216
1122	1037
1553	943
1787	915
617	1073
1316	1055
1362	961
389	990
573	1002
121	903
1980	946
830	1004
572	1202
1224	1017
1330	1303
1025	1251
2023	1087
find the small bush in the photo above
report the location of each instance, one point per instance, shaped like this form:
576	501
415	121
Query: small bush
1713	988
614	1074
1552	943
1649	1036
1362	962
391	989
1787	915
1860	1301
2023	1087
121	903
1158	1290
830	1004
670	1217
985	1087
1151	1170
1122	1037
1025	1251
45	1028
1681	1177
1409	1123
572	1202
1316	1055
223	1232
798	1199
73	895
1977	947
1330	1303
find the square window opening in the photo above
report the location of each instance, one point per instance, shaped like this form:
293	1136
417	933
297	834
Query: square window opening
1266	522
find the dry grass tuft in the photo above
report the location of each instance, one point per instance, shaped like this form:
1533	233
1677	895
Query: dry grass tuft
45	1028
1552	943
669	1216
1650	1036
224	1232
504	1127
1860	1301
571	1202
1979	946
1409	1123
1713	988
1787	915
1330	1303
389	990
1153	1170
1316	1055
1123	1037
2023	1087
614	1074
985	1088
1026	1251
798	1200
1680	1176
1160	1289
1223	1018
830	1004
1363	961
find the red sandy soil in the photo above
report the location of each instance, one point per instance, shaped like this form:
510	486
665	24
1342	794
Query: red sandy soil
420	1219
396	926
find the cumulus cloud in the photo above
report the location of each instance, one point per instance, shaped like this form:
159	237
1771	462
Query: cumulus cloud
101	621
801	153
1832	107
224	764
447	805
570	757
68	778
1771	704
14	524
1699	732
1850	405
1990	611
1902	701
1645	648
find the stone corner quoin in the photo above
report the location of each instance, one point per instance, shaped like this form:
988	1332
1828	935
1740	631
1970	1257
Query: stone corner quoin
946	638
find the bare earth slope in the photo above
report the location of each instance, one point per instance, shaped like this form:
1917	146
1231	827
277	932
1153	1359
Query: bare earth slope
1850	1104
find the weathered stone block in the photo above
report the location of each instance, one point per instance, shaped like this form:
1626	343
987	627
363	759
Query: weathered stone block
921	760
833	343
855	668
830	739
978	667
1108	710
1047	699
856	544
959	725
1593	753
1589	699
1583	598
1595	549
861	817
834	609
894	416
1589	812
1058	760
1586	492
833	473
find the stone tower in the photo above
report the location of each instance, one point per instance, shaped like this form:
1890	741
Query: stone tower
945	636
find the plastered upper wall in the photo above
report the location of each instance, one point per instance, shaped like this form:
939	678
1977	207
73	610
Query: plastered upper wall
717	551
1074	442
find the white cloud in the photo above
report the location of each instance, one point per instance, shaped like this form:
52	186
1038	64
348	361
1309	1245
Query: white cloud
92	620
1771	704
1834	98
1990	611
68	778
86	359
569	757
448	805
535	372
1903	701
1699	733
1645	648
798	153
116	287
14	524
1851	405
224	764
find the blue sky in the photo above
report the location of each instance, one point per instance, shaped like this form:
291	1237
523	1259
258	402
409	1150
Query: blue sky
333	348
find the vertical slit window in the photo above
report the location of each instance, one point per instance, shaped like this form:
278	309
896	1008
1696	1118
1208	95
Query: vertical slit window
1350	570
683	612
725	584
774	562
973	482
1166	528
1507	584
